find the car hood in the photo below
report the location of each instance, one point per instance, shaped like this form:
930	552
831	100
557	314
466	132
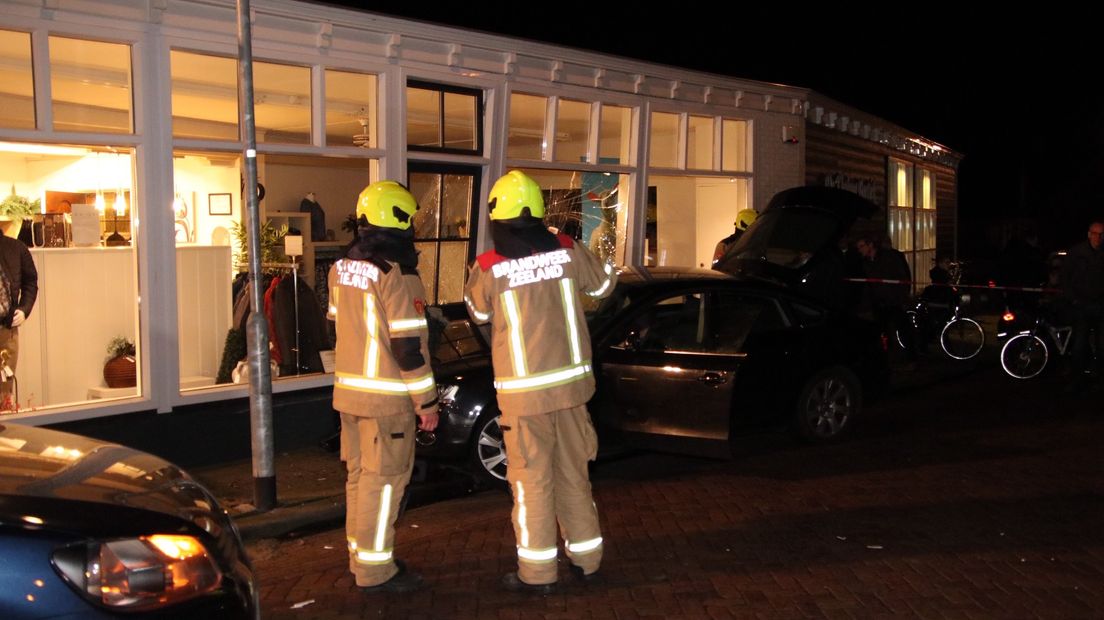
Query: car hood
52	472
797	237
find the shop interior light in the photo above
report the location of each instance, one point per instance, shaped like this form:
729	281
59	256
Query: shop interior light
41	149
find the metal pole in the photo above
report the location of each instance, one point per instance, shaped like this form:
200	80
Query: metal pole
260	374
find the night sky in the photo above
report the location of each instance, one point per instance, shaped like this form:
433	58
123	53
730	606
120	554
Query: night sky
1017	94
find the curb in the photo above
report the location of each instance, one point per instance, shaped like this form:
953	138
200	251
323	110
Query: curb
286	519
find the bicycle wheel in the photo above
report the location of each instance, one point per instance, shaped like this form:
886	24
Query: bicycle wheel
962	338
910	322
1024	356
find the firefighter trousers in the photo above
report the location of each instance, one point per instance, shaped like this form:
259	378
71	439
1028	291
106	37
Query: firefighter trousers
547	472
379	456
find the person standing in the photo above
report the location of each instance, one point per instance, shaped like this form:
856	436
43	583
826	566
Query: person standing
383	381
18	292
1082	282
889	291
744	220
529	288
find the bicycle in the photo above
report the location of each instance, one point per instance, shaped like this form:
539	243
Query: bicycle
960	337
1026	354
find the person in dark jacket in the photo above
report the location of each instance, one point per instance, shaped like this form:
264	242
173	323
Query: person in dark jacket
18	292
888	296
1083	287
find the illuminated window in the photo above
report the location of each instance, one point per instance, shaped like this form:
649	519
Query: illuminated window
204	96
351	100
282	103
614	143
664	146
526	131
699	143
734	145
17	103
572	131
90	85
444	118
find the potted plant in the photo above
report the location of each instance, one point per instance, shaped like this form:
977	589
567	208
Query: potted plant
120	370
14	210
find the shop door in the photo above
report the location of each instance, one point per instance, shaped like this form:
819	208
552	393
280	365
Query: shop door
444	227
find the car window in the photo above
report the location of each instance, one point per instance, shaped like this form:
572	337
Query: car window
673	323
452	339
806	314
786	237
735	316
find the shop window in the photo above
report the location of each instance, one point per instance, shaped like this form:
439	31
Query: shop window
699	143
614	143
664	145
314	197
61	353
444	118
590	207
282	103
204	96
446	196
900	206
351	104
90	83
572	131
688	215
17	103
525	136
925	225
734	145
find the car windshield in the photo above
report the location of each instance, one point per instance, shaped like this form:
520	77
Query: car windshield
786	237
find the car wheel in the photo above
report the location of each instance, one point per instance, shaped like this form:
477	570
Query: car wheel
827	405
488	451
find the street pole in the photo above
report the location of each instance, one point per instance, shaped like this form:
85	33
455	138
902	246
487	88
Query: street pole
260	374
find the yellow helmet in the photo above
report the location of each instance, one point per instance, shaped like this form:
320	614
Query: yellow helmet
513	192
388	205
744	218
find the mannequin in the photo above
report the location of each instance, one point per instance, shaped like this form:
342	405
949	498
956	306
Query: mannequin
318	217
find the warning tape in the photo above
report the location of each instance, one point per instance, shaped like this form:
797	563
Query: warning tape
991	286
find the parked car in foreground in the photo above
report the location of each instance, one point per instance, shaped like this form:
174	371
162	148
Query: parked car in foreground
96	530
685	360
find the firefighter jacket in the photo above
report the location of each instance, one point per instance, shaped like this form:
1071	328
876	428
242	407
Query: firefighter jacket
540	342
382	355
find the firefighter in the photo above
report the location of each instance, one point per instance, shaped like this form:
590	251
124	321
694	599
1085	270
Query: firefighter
529	288
744	219
383	384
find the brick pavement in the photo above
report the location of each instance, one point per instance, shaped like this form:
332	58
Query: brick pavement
948	505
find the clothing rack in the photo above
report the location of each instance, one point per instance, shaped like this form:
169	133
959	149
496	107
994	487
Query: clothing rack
294	267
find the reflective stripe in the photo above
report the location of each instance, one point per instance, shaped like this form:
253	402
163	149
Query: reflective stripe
563	375
537	555
333	303
479	316
521	516
513	322
372	385
407	324
371	361
352	544
373	557
384	513
602	289
568	287
423	384
586	545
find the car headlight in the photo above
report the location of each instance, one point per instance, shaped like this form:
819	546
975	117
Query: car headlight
141	573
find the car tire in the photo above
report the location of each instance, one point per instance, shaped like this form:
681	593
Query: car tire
827	405
488	451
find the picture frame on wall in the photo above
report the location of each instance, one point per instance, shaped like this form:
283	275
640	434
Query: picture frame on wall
220	204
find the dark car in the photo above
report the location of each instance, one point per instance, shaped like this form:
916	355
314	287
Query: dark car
796	242
96	530
685	360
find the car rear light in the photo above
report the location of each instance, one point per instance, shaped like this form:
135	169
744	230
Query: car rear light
885	343
142	573
1008	317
